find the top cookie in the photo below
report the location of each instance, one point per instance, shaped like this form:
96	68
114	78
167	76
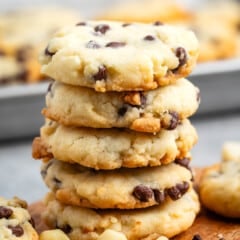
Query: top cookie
115	56
15	221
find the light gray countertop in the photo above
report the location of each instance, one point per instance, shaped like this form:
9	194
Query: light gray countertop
20	174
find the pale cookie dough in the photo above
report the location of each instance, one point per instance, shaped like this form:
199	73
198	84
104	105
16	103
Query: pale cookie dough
113	148
231	151
123	188
168	219
15	220
140	111
114	56
219	188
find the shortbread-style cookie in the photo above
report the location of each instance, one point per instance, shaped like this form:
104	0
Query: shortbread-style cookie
123	188
15	221
11	71
231	151
146	11
87	224
113	148
114	56
219	188
140	111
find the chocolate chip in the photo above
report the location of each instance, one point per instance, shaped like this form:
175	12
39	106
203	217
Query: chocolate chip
184	162
143	193
126	24
159	195
5	212
48	53
44	171
31	221
81	24
143	99
57	183
181	54
49	89
66	228
183	187
102	28
115	44
23	76
16	230
174	193
22	54
157	23
149	38
101	74
92	44
122	111
2	53
196	237
174	120
198	96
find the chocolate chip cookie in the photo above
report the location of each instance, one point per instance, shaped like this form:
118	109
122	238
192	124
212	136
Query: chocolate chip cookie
148	111
123	188
15	221
113	148
168	219
114	56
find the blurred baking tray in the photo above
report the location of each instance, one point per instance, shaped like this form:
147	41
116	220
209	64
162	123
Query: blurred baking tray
219	83
20	106
20	110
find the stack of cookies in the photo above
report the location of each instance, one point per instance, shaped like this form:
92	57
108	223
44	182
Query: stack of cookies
116	142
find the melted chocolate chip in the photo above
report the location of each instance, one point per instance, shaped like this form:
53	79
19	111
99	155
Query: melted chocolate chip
197	237
5	212
102	28
92	44
181	54
122	111
31	221
143	193
149	38
47	52
57	183
115	44
174	193
126	24
183	187
49	89
174	120
101	74
16	230
158	195
66	228
157	23
184	162
81	24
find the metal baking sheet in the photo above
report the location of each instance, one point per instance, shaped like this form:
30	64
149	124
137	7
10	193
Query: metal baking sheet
21	105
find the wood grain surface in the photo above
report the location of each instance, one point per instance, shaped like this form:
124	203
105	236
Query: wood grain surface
208	225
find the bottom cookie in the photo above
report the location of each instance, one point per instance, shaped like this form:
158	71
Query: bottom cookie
168	219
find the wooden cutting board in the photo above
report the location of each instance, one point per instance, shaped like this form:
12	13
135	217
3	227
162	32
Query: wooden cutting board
208	225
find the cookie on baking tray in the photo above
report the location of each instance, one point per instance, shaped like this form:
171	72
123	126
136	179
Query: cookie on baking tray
140	111
220	183
88	224
114	56
15	221
146	11
113	148
123	188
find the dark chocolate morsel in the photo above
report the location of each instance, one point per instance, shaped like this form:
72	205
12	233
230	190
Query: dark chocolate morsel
143	193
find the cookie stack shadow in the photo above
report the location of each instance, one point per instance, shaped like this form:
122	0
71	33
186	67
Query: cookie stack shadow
116	153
